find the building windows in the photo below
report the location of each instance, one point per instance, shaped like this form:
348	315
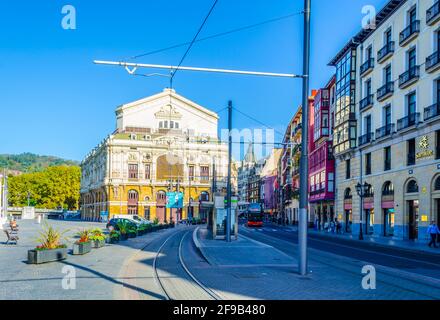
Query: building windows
412	58
411	104
387	74
368	164
147	172
133	171
347	169
331	182
204	173
387	115
437	144
191	173
412	187
411	160
387	158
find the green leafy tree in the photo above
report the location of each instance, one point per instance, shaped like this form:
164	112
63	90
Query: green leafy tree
57	186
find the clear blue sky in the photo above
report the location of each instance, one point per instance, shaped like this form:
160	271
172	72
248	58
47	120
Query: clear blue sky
54	101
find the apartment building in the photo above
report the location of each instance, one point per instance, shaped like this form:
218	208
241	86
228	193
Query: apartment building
387	123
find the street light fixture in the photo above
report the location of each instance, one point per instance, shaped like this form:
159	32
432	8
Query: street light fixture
362	190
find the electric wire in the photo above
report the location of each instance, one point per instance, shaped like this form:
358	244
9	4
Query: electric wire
217	35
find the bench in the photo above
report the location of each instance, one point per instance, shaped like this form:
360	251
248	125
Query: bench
12	237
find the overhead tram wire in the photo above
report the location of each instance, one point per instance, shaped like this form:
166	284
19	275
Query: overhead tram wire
217	35
173	73
258	121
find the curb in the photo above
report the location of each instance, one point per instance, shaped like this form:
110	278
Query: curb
199	246
379	245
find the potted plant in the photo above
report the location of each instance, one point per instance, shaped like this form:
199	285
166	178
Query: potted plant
83	245
98	238
50	248
114	236
122	226
132	231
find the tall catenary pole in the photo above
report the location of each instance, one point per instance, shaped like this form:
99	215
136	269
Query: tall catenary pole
303	180
229	187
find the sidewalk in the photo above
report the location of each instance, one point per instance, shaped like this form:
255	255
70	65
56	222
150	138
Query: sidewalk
405	245
245	269
243	251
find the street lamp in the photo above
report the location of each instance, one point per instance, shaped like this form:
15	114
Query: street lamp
362	190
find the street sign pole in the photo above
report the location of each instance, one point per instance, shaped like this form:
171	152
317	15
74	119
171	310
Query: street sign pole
303	180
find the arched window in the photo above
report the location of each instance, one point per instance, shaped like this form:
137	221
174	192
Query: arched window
347	194
437	184
161	195
132	195
388	189
412	187
370	191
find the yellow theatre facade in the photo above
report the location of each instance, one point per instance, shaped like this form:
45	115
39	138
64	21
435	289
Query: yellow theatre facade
162	143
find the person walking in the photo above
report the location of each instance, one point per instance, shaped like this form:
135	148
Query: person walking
433	231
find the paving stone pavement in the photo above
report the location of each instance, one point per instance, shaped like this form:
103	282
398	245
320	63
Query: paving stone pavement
97	273
332	277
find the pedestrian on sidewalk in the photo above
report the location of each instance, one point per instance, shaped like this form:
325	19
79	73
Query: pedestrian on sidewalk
338	227
433	231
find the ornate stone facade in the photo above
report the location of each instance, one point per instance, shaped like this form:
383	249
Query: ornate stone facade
162	143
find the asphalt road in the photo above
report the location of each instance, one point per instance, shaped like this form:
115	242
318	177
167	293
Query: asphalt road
424	264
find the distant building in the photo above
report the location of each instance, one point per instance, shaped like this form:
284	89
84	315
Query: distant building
321	159
269	176
162	143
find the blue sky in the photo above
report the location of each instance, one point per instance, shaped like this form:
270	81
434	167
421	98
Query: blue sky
55	101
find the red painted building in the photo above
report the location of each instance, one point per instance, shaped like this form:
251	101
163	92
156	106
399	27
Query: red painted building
321	159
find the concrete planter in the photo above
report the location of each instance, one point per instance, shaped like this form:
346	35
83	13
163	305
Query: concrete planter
82	248
123	237
44	256
132	235
96	244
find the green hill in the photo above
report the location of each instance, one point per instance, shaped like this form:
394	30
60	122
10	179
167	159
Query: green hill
28	162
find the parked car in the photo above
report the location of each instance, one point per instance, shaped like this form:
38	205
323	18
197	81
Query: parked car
114	223
133	217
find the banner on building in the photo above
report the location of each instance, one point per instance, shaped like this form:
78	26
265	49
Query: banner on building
174	200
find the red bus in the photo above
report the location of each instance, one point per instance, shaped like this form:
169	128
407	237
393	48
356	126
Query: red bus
255	215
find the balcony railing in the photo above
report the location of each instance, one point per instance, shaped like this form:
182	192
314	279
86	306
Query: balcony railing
409	32
410	76
385	91
408	121
432	111
432	62
366	138
385	52
367	66
366	102
433	14
385	131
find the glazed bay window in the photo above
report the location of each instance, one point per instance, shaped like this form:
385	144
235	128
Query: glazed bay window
133	172
345	120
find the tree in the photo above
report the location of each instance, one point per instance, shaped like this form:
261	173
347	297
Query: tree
57	186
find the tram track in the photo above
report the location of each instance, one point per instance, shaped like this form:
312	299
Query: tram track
182	284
